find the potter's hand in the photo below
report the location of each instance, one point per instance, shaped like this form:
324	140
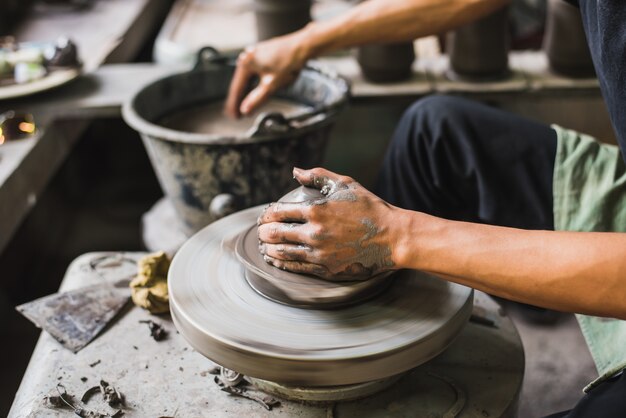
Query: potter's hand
276	62
348	234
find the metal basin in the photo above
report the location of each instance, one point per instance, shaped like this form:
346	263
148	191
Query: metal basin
208	176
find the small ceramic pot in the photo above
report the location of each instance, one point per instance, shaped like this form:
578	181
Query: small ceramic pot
387	62
565	43
479	50
279	17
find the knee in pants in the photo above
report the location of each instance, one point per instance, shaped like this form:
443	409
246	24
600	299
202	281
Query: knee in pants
427	121
432	113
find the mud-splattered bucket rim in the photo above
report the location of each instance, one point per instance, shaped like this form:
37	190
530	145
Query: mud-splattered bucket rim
267	127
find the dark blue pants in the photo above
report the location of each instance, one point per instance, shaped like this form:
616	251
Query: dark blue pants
607	400
461	160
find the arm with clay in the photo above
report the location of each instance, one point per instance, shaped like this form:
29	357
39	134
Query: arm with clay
352	232
278	61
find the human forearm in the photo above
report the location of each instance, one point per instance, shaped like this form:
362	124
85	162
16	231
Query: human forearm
381	21
350	233
567	271
278	61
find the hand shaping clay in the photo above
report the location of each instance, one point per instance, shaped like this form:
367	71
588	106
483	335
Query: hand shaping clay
301	290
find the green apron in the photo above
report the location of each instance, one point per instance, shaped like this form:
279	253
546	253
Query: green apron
589	190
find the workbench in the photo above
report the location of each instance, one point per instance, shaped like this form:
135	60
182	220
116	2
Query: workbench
111	31
479	375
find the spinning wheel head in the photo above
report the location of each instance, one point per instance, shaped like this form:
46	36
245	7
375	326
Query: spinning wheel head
224	318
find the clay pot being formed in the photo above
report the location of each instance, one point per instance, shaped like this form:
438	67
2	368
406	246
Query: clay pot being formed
386	63
279	17
479	50
565	43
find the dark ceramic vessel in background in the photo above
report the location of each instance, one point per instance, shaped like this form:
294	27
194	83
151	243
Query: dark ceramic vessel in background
386	63
279	17
479	50
565	43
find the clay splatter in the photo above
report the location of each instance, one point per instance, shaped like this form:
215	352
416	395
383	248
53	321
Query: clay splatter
369	258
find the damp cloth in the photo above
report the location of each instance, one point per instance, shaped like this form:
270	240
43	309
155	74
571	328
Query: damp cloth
149	287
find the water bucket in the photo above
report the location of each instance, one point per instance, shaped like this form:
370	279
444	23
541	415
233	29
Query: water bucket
208	176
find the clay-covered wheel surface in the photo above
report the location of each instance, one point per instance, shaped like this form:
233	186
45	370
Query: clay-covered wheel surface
301	290
222	317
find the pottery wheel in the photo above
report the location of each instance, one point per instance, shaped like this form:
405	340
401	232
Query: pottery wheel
225	319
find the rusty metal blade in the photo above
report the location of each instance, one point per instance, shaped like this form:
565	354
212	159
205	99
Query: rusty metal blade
76	317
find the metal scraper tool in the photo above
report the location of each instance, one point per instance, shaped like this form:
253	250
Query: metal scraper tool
76	317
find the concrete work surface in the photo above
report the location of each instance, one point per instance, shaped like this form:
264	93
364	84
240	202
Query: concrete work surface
479	375
169	378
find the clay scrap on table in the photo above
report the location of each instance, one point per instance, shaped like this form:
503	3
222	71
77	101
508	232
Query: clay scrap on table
149	288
